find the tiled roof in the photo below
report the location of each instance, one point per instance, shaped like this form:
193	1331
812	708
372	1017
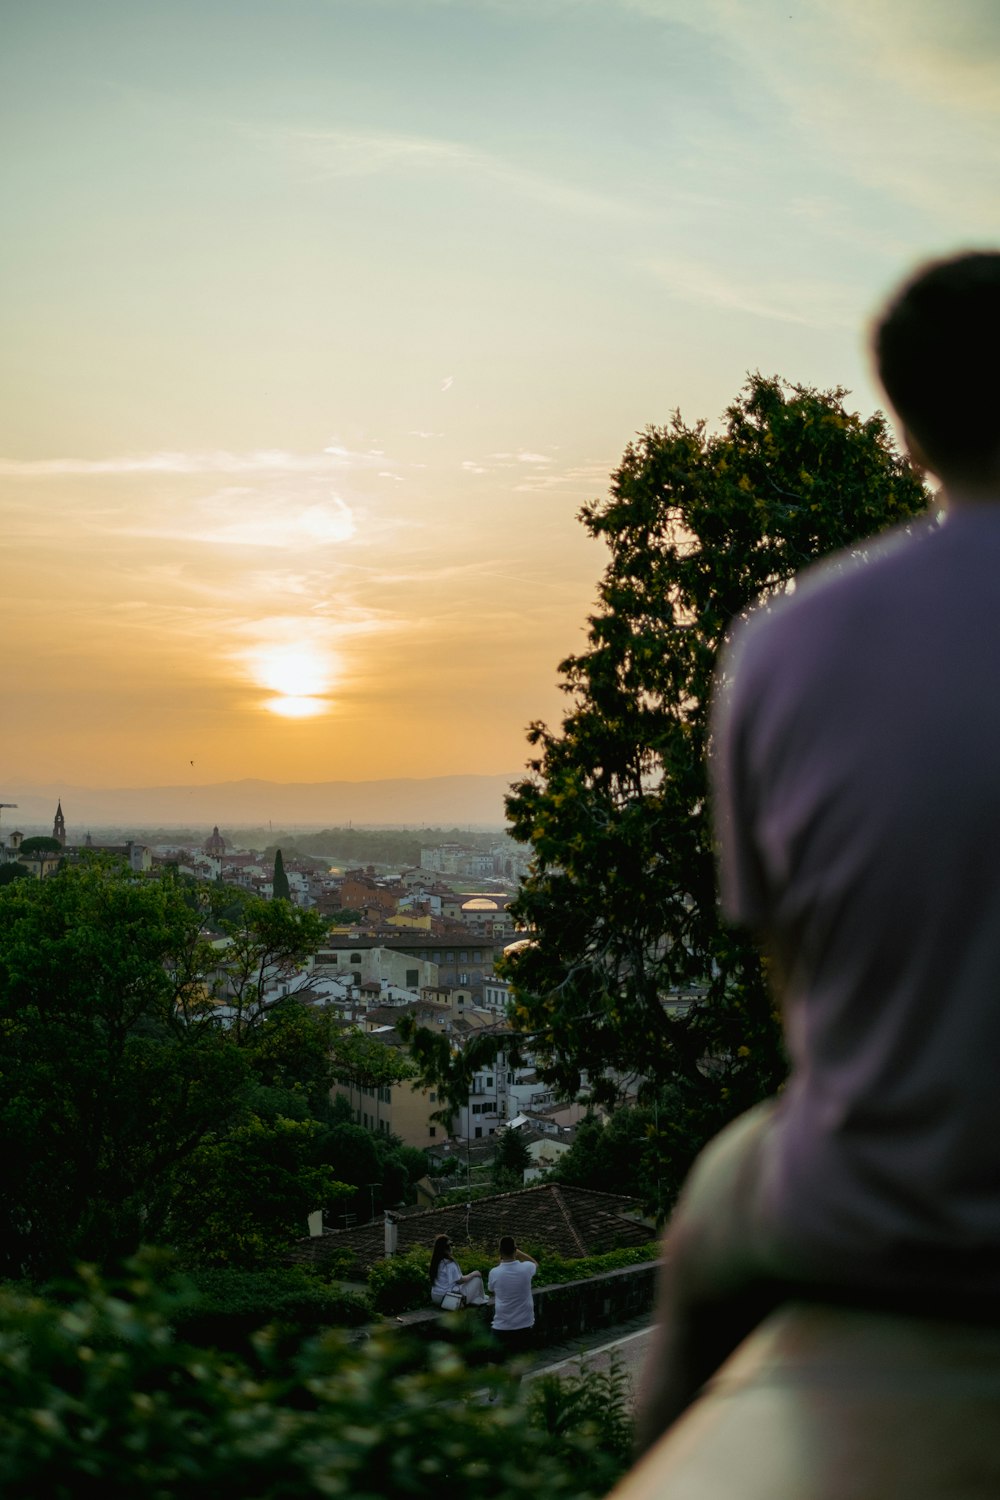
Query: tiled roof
553	1217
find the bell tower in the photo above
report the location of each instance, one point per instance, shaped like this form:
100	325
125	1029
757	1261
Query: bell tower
59	825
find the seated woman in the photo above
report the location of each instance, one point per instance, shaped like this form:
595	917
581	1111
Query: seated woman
446	1275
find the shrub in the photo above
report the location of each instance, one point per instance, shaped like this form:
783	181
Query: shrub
228	1306
410	1270
401	1283
587	1418
99	1399
554	1270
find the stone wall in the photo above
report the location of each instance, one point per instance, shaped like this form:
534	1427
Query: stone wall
576	1307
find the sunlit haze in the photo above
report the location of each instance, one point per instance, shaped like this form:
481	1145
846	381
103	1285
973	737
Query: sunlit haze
323	318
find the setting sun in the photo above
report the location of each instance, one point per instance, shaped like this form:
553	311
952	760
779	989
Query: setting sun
299	676
293	671
297	708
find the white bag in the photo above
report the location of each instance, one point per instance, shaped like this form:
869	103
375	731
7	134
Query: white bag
453	1300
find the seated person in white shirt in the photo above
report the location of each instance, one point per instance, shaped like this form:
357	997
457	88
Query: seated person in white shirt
446	1275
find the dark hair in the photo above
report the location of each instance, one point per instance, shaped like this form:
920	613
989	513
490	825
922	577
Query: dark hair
441	1251
937	348
507	1244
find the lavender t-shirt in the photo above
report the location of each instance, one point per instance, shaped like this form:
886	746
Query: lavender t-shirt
856	762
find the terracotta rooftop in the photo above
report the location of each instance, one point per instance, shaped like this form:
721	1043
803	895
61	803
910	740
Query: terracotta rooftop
553	1217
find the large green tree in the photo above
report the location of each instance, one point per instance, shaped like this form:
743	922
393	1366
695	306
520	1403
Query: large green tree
621	897
261	958
104	1086
117	1064
630	977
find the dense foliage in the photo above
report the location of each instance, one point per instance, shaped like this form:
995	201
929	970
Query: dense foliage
152	1088
511	1160
99	1398
640	1150
225	1308
402	1284
621	894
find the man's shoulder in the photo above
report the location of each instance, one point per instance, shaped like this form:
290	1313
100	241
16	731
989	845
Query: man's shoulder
840	587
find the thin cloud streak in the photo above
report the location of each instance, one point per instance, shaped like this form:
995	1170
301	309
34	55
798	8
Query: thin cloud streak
262	461
813	304
335	154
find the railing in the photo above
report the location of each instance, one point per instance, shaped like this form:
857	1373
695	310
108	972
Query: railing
834	1403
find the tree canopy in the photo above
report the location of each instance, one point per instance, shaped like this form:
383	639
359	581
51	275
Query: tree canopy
629	976
123	1081
621	897
41	843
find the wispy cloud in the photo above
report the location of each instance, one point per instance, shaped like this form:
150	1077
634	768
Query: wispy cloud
338	153
260	461
900	97
583	478
811	302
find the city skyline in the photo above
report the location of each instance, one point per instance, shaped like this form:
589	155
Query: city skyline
323	320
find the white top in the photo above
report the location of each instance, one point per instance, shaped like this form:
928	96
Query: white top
448	1272
510	1284
857	789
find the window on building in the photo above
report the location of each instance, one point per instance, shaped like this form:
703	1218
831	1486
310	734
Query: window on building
412	978
355	958
489	1083
479	1131
433	1131
434	1097
463	958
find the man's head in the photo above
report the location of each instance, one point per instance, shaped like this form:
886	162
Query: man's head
507	1247
937	349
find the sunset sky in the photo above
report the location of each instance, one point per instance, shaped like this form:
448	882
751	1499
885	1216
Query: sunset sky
321	319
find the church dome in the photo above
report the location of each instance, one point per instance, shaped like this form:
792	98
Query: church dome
215	844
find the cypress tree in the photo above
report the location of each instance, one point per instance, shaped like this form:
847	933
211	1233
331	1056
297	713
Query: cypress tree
280	887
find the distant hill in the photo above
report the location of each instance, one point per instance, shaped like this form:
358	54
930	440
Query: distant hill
444	801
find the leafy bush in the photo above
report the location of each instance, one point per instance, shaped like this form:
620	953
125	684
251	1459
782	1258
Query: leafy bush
402	1283
99	1399
228	1306
589	1416
555	1271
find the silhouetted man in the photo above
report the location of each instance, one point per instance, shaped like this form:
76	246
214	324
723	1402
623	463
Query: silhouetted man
857	799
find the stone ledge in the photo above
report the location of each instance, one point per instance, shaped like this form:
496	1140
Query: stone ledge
565	1311
835	1403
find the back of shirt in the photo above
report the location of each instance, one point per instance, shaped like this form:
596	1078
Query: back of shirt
856	755
510	1284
